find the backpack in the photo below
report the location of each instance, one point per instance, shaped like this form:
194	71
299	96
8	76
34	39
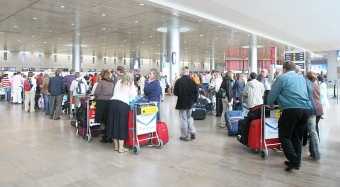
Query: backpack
28	85
79	87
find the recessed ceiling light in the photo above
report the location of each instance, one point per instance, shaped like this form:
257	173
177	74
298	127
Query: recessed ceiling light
104	29
19	40
150	36
103	14
201	35
15	26
45	42
136	21
34	18
72	24
141	4
62	6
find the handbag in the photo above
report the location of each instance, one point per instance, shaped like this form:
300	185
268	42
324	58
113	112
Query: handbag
222	93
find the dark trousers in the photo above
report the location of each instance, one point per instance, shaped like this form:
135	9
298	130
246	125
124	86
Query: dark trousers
292	125
55	104
219	106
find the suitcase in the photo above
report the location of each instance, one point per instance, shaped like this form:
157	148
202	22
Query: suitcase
254	135
232	118
163	133
198	112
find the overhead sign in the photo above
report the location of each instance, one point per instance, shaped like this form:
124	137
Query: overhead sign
294	56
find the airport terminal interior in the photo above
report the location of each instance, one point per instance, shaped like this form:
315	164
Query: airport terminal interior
169	93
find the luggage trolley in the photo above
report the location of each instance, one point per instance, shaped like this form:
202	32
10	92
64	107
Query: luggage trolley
269	136
85	125
144	126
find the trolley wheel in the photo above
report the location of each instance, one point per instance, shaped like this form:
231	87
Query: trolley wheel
136	150
160	144
264	154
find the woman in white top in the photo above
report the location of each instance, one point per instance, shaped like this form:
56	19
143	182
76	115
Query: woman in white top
124	92
323	94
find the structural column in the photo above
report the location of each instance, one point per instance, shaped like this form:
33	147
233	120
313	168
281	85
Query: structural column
164	66
173	49
76	46
212	57
252	56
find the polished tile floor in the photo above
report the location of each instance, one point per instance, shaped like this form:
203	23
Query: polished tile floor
37	152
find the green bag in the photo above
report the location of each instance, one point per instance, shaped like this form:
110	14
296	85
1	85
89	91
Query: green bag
222	93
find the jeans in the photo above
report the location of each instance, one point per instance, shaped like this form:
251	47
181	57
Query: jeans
8	94
46	104
292	125
187	123
313	138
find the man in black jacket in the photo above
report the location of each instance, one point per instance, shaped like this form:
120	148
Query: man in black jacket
56	90
187	92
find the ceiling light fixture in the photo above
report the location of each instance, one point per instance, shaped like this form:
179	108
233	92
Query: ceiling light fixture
141	4
182	29
62	6
201	35
15	26
136	21
70	45
103	14
247	46
34	18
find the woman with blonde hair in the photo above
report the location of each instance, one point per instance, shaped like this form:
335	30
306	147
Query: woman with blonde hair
124	92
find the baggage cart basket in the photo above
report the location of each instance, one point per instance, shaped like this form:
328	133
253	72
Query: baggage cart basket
269	136
89	120
144	119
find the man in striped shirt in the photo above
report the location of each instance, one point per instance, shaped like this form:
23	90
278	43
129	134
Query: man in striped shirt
6	84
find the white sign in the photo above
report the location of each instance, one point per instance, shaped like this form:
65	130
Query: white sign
146	124
271	129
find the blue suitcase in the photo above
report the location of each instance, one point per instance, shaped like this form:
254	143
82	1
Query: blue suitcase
232	118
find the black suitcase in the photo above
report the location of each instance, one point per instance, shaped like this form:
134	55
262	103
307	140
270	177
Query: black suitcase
198	112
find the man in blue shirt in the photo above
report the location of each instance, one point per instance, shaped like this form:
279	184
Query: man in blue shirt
291	93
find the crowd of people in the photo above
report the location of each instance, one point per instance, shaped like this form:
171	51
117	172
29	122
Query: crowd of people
112	90
302	100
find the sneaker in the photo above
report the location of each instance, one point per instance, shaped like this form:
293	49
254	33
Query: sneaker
193	136
184	139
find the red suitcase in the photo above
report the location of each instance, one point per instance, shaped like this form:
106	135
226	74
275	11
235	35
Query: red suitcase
129	142
163	133
254	135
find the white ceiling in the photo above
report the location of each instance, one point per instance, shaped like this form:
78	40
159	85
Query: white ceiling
309	24
111	28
